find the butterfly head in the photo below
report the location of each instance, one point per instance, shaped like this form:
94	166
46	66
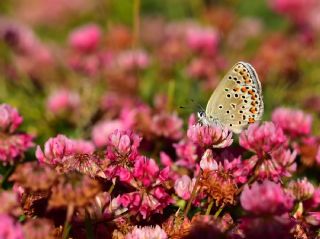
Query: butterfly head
201	115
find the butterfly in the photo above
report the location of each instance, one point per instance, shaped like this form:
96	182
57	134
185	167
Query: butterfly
237	101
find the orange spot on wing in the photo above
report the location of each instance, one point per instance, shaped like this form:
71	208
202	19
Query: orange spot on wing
250	92
253	110
251	120
243	89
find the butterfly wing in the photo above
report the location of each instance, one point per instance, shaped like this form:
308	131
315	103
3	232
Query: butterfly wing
237	100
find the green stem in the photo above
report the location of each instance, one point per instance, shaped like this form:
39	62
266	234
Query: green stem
67	226
112	187
136	22
254	175
7	175
66	230
216	215
209	208
193	194
89	227
171	89
298	210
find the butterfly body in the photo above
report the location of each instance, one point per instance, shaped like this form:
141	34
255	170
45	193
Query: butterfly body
237	100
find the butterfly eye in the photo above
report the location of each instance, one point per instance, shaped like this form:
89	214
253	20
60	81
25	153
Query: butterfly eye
201	114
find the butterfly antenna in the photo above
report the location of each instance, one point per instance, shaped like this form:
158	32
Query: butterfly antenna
187	106
201	108
193	106
197	105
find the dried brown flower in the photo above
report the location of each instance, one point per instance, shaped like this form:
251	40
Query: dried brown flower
223	224
73	189
84	163
96	207
299	232
220	186
208	227
34	177
39	229
116	234
308	154
123	227
177	226
9	203
34	202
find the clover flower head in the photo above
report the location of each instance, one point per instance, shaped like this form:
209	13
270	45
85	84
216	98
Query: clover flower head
10	119
134	59
202	39
210	136
183	187
9	228
207	162
300	126
263	138
85	38
147	232
167	125
55	150
63	101
301	189
13	146
266	198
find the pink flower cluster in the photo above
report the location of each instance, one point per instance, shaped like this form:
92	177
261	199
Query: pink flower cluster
203	166
300	126
63	101
122	152
13	145
296	10
263	139
274	159
203	39
147	233
57	149
159	124
29	51
10	120
301	189
132	60
102	130
183	187
122	163
266	198
210	136
239	169
150	195
9	228
86	38
167	126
